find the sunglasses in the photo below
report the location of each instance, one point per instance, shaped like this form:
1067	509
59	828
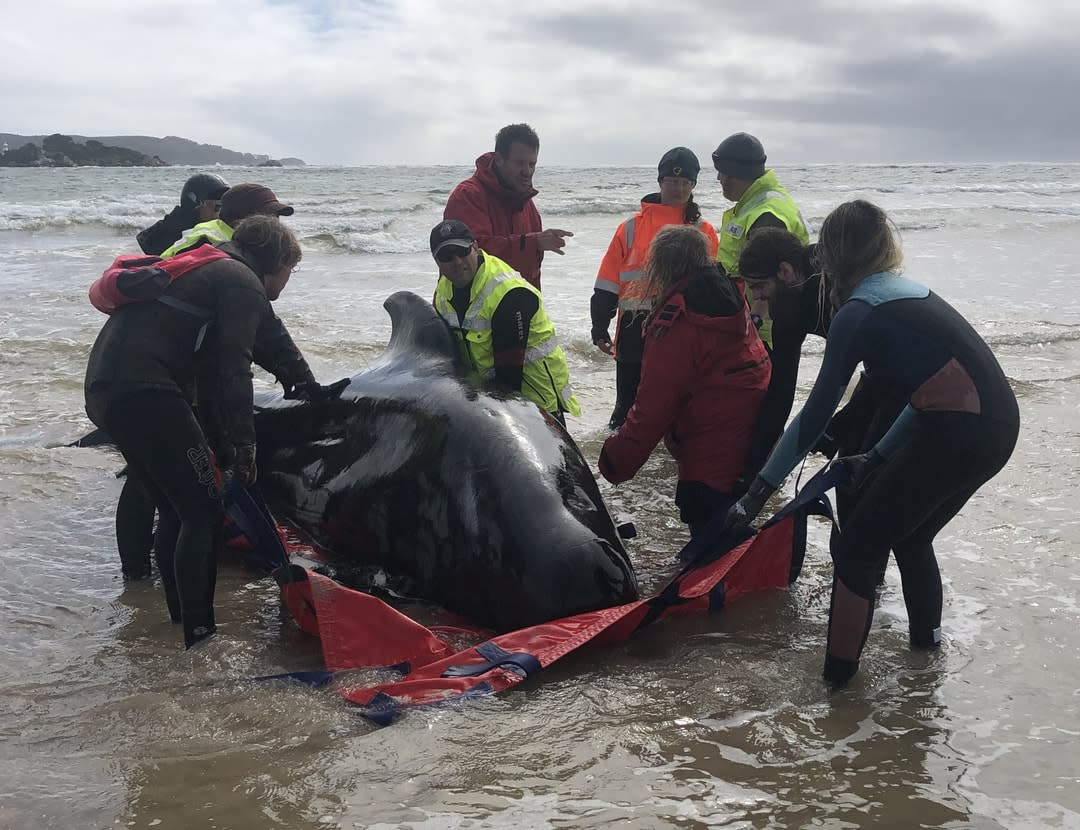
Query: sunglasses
452	252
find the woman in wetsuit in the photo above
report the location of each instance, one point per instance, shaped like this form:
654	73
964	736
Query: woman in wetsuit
957	431
145	362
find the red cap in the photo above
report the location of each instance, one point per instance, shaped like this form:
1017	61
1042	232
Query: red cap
243	200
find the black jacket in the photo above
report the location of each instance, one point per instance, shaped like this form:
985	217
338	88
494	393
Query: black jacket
150	345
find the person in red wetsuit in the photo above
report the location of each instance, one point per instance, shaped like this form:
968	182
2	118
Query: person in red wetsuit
496	202
704	374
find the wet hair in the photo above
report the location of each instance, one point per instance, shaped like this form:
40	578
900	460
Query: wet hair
677	251
516	134
268	242
765	249
856	240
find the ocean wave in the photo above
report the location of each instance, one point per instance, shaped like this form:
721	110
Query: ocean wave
374	241
582	207
1045	335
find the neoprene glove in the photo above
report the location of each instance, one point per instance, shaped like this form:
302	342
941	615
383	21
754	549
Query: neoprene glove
860	467
313	392
827	445
243	466
746	509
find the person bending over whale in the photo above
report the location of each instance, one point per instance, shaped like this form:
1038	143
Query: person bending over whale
274	350
144	362
505	335
957	431
704	374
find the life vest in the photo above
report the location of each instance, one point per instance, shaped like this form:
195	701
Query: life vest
765	195
134	278
546	378
215	232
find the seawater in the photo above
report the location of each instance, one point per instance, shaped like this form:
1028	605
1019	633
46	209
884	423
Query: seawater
697	722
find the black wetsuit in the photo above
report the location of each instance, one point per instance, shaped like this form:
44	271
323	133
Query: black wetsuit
797	313
138	378
958	431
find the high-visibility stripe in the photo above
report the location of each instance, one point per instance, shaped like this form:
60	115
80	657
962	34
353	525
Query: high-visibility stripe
605	285
630	276
628	234
541	350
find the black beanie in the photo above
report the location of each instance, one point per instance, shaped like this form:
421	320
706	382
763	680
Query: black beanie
679	161
740	155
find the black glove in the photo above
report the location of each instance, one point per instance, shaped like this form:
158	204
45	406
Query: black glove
860	468
313	392
243	468
827	445
746	509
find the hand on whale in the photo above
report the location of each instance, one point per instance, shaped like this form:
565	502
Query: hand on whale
479	499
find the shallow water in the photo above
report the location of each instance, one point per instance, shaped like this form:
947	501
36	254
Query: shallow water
696	722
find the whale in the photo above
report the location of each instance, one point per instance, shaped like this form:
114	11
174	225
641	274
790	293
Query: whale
467	497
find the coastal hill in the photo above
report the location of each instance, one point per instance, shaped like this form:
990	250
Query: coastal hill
168	150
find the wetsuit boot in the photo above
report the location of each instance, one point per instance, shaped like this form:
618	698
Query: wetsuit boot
849	624
198	625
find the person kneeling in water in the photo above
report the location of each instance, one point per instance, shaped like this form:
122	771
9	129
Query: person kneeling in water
957	431
139	377
704	373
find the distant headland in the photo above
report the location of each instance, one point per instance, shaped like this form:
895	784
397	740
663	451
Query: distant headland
59	150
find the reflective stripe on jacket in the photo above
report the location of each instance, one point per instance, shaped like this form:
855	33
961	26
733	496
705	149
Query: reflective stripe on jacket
622	270
546	378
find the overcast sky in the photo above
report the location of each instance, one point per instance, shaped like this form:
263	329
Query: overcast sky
602	81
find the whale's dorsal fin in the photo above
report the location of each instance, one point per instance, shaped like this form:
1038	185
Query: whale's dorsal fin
418	328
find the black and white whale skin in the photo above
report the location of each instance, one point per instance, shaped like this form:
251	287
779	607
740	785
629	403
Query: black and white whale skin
481	501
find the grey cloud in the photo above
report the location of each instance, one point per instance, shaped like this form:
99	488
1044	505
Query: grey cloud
929	105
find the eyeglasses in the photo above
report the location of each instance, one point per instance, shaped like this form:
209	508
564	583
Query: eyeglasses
452	252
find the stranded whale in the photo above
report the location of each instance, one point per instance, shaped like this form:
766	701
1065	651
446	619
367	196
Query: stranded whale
480	500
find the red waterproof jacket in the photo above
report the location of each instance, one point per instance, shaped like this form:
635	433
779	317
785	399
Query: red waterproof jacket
504	223
703	378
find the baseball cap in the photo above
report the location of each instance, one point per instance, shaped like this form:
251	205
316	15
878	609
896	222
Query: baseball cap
450	232
243	200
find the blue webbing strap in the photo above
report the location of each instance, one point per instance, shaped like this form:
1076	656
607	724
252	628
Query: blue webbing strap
497	657
249	512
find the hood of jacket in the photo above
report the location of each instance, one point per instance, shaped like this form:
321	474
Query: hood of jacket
706	298
489	180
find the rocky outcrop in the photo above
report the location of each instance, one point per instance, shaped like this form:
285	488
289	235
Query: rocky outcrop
62	151
170	149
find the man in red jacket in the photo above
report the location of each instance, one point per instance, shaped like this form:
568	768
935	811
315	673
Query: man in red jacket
496	202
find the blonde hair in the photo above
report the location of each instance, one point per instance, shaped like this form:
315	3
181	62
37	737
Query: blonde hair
856	240
676	252
270	243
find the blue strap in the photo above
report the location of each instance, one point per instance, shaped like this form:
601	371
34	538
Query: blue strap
497	658
249	512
